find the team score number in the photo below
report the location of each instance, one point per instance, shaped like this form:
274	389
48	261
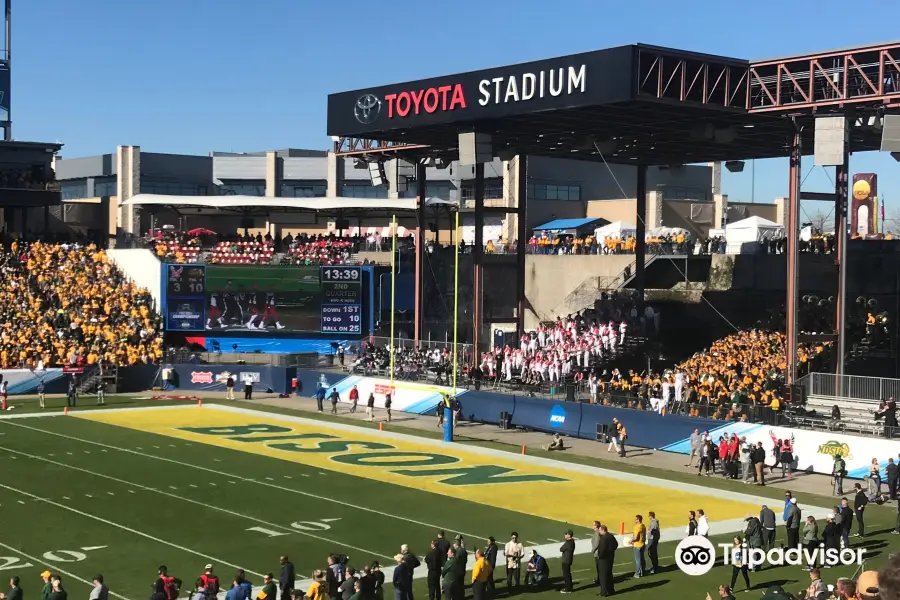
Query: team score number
193	287
342	274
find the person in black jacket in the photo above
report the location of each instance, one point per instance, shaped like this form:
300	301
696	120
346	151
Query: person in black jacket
606	557
490	555
831	537
859	506
286	578
441	544
891	471
846	521
567	554
412	563
433	563
759	461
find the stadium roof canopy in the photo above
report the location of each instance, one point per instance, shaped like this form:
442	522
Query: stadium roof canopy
651	105
571	226
343	206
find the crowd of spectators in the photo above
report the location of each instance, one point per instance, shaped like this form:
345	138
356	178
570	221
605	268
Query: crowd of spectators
318	250
670	243
67	304
35	177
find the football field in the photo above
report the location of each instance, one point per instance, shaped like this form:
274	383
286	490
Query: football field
122	491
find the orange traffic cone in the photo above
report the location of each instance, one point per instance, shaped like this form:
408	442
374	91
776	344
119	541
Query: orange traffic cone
66	410
200	403
523	448
381	427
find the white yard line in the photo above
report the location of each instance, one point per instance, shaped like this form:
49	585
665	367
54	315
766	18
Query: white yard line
126	528
39	561
265	483
195	502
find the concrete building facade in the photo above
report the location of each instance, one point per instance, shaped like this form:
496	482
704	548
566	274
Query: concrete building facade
684	196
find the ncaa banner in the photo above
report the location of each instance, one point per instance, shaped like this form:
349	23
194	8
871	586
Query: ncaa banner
814	451
407	396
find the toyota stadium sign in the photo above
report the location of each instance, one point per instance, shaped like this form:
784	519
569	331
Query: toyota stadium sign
580	80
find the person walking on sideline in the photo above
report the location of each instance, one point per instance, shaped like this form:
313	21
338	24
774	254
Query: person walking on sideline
320	398
229	388
614	436
567	554
40	391
370	406
638	540
696	440
335	398
653	535
354	399
739	564
387	406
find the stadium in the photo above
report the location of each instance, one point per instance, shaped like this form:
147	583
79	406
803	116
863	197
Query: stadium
508	305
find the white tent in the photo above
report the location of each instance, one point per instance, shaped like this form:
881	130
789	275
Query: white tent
745	235
614	229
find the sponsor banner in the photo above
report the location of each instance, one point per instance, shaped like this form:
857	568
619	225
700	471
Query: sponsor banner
248	377
814	451
212	378
407	396
26	381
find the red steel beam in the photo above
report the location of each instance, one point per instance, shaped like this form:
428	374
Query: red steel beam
806	82
354	146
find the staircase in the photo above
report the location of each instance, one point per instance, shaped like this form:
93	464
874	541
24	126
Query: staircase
87	382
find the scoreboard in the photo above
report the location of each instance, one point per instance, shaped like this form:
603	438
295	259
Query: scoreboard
341	299
185	287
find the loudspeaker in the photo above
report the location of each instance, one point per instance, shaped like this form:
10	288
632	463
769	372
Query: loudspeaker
570	393
398	173
890	134
342	224
376	173
831	137
475	148
603	433
504	420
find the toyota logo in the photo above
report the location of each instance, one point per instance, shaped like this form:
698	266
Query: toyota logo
367	109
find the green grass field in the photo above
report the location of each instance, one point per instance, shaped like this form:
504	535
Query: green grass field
111	494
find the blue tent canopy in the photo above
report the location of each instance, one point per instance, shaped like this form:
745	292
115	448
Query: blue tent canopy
571	226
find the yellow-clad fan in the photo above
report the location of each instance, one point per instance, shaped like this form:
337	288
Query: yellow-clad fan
69	305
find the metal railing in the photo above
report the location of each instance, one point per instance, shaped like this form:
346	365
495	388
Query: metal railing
856	387
464	352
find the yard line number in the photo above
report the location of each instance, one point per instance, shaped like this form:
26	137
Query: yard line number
64	556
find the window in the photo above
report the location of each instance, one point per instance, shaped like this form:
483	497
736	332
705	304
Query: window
243	188
73	189
492	190
549	191
303	190
364	190
105	186
436	190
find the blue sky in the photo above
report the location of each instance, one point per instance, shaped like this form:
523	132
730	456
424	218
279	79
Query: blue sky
193	76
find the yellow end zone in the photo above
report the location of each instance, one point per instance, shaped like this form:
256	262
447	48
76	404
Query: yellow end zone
509	483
